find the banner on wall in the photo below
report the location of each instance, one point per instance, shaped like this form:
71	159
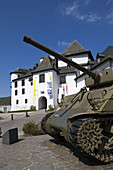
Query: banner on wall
66	88
49	85
58	90
34	88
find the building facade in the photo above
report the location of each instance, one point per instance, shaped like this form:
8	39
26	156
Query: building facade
47	83
103	61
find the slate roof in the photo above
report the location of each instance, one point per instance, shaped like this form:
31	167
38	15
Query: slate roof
27	74
74	47
5	101
49	64
102	61
108	51
46	64
20	70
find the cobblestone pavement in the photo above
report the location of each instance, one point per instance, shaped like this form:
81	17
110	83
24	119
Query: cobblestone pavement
19	119
44	153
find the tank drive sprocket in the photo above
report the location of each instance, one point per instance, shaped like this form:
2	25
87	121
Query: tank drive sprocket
89	135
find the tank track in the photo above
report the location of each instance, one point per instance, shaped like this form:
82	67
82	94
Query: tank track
90	136
48	130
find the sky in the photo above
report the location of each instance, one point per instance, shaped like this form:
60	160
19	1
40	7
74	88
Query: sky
54	23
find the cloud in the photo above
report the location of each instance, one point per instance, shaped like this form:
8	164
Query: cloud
81	17
92	17
63	43
86	2
110	17
74	10
70	9
108	2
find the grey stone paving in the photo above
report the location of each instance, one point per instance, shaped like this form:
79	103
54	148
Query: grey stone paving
43	153
19	120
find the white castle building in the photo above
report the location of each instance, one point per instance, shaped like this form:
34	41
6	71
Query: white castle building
47	83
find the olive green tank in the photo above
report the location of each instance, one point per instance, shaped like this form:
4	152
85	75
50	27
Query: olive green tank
84	119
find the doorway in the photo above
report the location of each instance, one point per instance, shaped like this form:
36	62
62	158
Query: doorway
42	103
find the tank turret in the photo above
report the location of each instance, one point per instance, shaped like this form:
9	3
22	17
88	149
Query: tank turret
84	119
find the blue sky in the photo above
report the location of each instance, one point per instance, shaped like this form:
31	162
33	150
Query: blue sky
56	24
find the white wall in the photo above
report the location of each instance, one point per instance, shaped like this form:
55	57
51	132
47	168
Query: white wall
80	83
42	89
80	59
21	97
55	88
15	76
37	90
103	66
69	87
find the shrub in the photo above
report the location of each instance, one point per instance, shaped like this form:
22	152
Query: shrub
50	108
31	128
1	111
33	108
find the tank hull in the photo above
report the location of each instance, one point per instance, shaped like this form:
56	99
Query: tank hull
85	119
88	113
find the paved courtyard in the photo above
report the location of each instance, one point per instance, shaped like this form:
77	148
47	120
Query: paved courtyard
42	152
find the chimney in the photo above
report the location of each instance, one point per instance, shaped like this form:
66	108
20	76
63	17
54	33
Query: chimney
35	66
41	59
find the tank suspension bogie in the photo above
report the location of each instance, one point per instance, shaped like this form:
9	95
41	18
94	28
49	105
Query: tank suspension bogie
92	138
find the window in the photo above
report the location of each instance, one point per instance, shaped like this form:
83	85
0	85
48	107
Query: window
16	92
15	84
78	73
62	79
41	78
23	82
26	101
17	101
23	91
76	82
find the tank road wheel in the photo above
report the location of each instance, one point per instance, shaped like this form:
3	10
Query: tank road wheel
89	135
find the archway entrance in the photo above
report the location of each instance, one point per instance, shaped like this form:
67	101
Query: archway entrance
42	103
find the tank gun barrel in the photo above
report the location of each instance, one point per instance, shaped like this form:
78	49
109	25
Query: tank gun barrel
58	56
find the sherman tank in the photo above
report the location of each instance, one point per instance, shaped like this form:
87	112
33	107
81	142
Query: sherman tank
84	119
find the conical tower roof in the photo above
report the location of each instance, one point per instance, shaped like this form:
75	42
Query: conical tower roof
74	47
46	64
108	51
